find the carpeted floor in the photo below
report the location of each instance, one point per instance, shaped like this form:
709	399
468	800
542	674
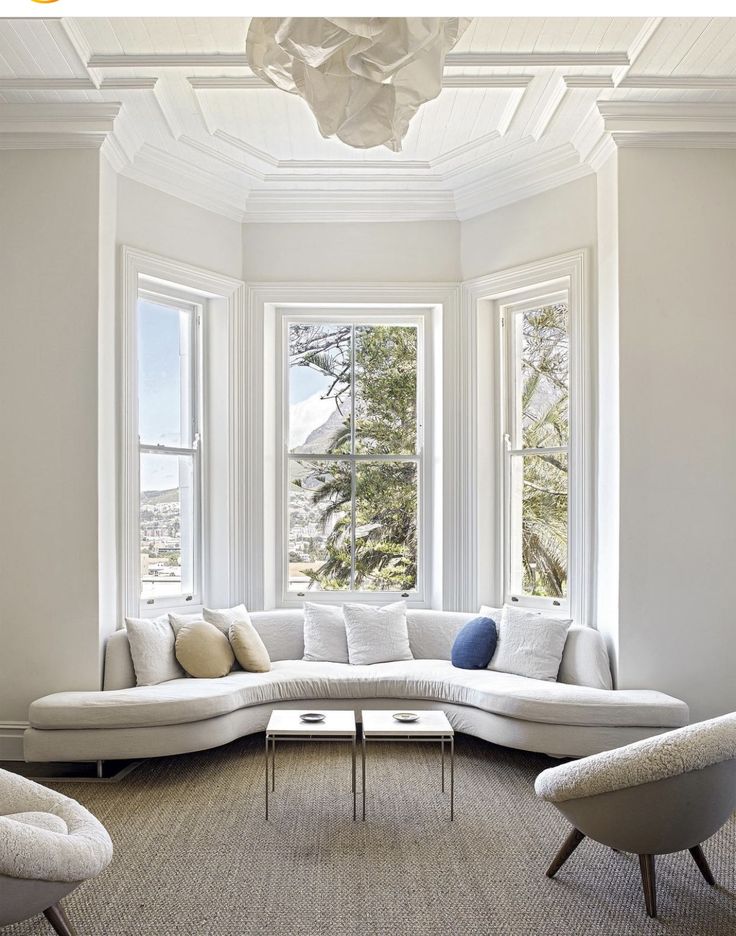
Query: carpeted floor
193	854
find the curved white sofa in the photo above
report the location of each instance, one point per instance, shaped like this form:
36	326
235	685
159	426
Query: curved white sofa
579	714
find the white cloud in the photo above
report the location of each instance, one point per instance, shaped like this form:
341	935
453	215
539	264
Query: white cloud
306	416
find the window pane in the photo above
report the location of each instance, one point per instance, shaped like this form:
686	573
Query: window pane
543	393
319	525
319	388
164	374
386	526
385	390
539	525
167	525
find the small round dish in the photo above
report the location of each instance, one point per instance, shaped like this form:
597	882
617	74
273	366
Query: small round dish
405	716
312	716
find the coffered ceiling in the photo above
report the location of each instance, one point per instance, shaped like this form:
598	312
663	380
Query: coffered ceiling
527	104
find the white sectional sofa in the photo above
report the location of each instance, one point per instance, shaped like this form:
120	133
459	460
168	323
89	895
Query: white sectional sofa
579	714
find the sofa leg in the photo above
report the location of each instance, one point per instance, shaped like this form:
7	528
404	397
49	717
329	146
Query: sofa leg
702	863
649	883
59	920
569	846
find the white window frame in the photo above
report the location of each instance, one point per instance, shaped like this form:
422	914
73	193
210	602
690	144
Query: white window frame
364	315
222	301
183	302
508	312
483	300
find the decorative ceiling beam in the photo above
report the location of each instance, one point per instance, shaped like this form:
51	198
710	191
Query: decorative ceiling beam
679	82
77	84
251	82
453	60
588	81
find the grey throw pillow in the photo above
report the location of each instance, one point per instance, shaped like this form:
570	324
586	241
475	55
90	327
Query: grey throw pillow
325	640
376	635
152	650
529	644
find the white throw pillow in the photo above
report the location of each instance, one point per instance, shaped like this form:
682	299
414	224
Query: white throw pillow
325	640
376	635
529	644
152	643
222	618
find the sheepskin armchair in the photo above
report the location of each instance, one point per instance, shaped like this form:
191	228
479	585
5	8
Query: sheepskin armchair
664	794
49	844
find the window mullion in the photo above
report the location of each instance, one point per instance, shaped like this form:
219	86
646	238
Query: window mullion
353	466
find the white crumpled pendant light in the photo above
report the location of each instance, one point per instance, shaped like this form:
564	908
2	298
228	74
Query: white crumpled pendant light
363	78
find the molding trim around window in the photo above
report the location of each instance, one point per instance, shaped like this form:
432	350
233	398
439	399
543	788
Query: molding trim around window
257	345
482	299
137	269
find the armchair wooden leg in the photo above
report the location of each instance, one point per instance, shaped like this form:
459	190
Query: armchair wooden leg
59	920
701	862
569	846
649	883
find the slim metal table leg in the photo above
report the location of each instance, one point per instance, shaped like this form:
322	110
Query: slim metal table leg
452	777
266	778
442	742
355	804
273	763
363	777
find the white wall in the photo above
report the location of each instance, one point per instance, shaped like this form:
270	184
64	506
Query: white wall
677	283
554	222
406	252
49	470
158	223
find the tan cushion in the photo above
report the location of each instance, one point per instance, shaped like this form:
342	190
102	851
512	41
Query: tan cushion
203	650
250	650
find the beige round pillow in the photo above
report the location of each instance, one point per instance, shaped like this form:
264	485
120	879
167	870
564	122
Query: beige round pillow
250	650
203	650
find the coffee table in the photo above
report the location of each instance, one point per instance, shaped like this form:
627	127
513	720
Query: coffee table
286	725
430	726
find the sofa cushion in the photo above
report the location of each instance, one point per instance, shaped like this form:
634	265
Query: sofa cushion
152	649
325	640
474	644
376	635
203	650
528	644
248	647
185	700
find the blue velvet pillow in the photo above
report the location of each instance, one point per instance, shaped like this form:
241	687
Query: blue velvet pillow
475	644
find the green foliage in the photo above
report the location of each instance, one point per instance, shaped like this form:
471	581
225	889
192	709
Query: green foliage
544	404
385	395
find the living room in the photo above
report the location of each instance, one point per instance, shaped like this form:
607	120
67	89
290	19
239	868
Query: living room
366	381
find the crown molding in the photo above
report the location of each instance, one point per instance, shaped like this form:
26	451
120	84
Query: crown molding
452	59
555	96
141	83
649	119
693	140
351	205
49	126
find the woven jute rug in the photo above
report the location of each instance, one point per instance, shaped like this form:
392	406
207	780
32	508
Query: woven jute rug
193	854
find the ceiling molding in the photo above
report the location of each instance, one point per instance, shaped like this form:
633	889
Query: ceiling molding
452	60
588	81
129	84
691	140
216	154
47	84
371	205
253	83
679	82
44	126
557	89
652	117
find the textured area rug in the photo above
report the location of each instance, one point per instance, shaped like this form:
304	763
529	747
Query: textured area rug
193	854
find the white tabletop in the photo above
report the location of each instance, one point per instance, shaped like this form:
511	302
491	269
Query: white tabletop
377	722
287	722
